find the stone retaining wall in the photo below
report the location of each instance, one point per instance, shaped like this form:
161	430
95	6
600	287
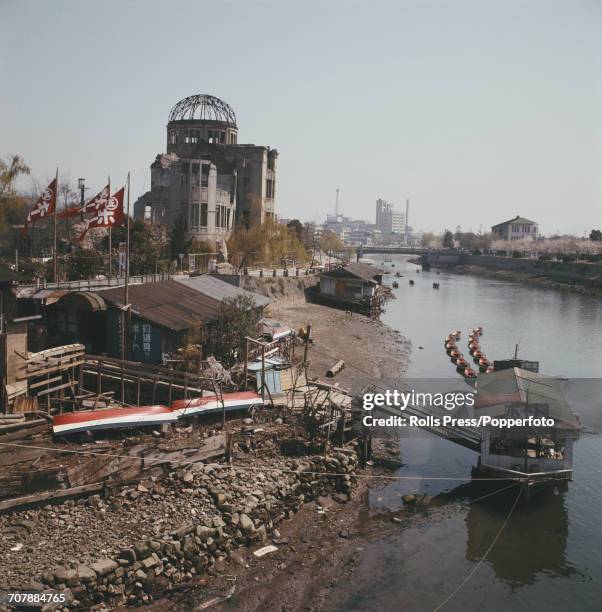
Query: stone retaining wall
247	510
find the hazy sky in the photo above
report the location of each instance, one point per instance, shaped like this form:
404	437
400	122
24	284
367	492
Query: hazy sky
474	109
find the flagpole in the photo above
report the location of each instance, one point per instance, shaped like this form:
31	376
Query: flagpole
126	289
127	245
54	255
110	240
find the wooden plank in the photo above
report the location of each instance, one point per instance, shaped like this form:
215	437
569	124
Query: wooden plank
45	382
52	389
54	362
51	370
47	496
11	456
57	350
15	389
24	433
24	425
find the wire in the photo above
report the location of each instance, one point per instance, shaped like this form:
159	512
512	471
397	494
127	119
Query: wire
476	567
251	468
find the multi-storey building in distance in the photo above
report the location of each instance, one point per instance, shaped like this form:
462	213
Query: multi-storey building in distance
389	220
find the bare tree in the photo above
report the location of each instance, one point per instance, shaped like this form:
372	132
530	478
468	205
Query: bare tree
9	171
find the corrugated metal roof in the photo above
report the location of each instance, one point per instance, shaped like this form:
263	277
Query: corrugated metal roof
171	304
219	290
515	385
168	304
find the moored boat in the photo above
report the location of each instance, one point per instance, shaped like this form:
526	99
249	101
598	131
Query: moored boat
461	363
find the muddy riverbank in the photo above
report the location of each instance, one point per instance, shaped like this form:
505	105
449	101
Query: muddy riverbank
372	351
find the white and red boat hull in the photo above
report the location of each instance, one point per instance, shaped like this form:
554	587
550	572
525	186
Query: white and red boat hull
239	400
111	418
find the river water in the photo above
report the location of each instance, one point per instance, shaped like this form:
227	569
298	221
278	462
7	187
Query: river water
548	557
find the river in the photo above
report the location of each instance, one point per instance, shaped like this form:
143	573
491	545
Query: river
549	554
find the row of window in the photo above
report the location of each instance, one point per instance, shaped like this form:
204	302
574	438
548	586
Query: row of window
193	136
199	214
194	180
525	229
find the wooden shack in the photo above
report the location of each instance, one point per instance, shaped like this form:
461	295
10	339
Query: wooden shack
354	287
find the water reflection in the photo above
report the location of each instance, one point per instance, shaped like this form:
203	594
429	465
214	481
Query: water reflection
534	542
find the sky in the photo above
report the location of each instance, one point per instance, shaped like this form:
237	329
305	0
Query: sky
475	110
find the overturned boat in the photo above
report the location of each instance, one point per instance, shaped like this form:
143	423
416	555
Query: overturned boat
144	416
111	418
208	404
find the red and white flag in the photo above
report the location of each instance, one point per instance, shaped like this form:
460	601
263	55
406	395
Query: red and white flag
109	215
94	205
44	207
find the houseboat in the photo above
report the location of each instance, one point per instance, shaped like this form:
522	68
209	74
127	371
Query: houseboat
539	452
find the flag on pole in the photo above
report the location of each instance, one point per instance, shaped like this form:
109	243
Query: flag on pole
44	206
94	205
110	214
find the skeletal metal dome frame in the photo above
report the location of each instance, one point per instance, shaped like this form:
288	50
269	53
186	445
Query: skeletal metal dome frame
203	107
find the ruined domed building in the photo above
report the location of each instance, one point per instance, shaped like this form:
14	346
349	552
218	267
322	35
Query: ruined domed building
205	178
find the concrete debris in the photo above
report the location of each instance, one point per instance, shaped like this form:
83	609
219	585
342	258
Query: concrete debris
260	552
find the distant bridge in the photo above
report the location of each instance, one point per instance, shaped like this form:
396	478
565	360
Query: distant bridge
397	250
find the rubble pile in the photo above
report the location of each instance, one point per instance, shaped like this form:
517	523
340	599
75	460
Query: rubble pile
141	540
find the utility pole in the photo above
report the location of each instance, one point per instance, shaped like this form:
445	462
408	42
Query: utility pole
54	253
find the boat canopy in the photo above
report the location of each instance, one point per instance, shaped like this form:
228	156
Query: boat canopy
525	392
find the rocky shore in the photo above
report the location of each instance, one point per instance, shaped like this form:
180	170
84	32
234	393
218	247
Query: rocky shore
138	543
